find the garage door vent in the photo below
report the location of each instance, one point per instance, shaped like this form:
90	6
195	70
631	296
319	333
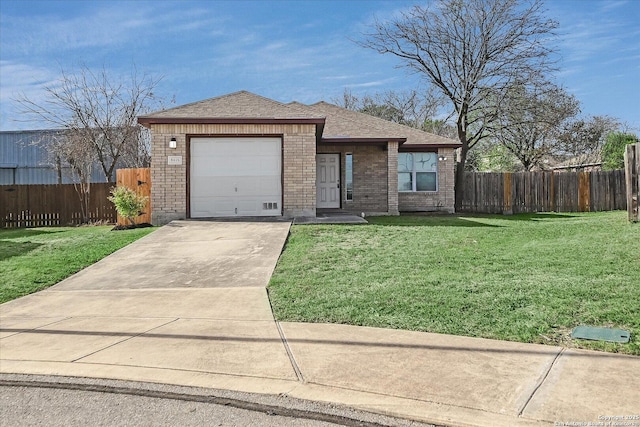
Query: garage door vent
269	206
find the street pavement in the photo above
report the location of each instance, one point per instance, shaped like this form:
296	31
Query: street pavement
187	306
35	406
31	400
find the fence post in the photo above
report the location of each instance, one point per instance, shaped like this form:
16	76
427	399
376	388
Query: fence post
552	192
584	192
632	179
507	199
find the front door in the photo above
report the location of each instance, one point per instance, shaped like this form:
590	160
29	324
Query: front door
328	180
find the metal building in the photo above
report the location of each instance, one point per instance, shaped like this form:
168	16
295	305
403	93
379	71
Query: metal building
25	160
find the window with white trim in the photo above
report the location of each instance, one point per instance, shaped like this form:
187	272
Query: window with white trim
417	172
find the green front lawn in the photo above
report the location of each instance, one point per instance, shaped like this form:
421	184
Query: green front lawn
528	278
32	259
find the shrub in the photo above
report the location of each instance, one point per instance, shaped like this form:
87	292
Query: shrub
613	150
129	204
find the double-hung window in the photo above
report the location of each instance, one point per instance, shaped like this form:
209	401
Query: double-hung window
417	172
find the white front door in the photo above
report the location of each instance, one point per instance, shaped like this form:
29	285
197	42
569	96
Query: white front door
328	180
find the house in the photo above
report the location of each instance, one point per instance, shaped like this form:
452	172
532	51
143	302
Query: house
24	159
589	162
245	155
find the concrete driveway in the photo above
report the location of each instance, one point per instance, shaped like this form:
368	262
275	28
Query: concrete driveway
190	254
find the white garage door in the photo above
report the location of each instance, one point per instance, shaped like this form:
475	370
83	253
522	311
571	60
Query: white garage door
236	177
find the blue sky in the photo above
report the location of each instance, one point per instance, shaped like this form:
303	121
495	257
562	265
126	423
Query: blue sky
301	50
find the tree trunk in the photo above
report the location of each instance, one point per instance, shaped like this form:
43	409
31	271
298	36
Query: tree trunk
459	183
83	189
461	125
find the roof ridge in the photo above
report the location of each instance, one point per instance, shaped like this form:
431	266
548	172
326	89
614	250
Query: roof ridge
241	96
197	102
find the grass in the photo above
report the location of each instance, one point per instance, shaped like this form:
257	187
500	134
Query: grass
528	278
35	258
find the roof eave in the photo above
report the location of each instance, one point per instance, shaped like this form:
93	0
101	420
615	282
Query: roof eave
415	147
346	140
147	121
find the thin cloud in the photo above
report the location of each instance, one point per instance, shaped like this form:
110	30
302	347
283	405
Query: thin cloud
610	5
342	77
112	25
27	81
370	84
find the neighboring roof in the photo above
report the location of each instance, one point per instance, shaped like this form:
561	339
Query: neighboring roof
577	162
336	124
31	131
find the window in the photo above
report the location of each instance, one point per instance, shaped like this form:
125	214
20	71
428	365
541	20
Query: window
417	172
349	176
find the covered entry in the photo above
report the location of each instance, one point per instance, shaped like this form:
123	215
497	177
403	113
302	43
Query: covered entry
231	176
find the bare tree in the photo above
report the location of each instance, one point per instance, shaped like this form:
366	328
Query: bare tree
411	108
100	109
585	137
530	120
470	50
348	101
75	150
417	106
137	153
440	127
382	111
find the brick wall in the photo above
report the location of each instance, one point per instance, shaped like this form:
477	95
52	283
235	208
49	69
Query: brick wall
370	178
441	200
170	182
392	179
299	166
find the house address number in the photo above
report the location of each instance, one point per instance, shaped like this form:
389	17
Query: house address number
174	160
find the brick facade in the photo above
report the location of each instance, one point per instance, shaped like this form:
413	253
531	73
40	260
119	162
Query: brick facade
392	178
370	176
170	182
442	200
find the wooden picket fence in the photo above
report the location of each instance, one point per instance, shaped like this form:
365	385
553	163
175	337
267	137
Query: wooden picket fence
138	180
488	192
52	205
24	206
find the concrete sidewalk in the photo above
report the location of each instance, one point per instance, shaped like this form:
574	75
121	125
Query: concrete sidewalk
187	305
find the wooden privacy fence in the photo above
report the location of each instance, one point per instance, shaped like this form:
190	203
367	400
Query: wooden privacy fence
488	192
138	180
52	205
632	177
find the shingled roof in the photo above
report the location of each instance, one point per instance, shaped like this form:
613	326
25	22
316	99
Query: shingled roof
342	124
336	124
234	106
